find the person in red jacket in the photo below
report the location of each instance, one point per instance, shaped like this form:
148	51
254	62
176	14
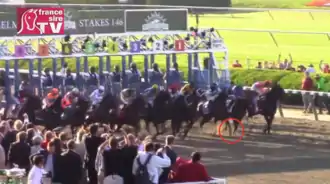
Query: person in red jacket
191	171
307	84
69	98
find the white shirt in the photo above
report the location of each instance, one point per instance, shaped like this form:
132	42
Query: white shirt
310	70
154	166
35	175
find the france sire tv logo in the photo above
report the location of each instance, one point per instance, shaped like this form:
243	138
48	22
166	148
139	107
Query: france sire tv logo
40	21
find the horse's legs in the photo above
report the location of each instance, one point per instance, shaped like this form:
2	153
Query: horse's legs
189	127
269	119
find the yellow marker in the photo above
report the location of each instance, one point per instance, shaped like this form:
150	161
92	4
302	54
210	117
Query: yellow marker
113	47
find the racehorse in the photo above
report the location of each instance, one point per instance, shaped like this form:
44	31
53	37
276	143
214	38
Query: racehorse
29	106
130	114
49	116
267	105
218	109
105	111
159	112
183	109
75	116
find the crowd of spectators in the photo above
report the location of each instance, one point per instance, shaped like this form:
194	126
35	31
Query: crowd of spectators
284	65
94	155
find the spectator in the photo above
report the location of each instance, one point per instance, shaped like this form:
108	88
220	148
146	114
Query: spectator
30	135
259	66
80	145
192	171
48	136
169	141
113	163
129	151
324	67
307	98
152	162
99	158
237	64
72	172
19	152
2	155
323	100
69	79
310	69
92	143
301	68
36	145
36	173
64	138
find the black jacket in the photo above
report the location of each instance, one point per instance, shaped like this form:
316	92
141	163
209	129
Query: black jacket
72	170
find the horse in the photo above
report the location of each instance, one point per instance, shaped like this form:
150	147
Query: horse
105	111
29	106
183	109
130	114
218	109
161	103
237	110
267	105
75	116
50	116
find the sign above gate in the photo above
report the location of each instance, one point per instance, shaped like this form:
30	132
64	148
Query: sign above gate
156	20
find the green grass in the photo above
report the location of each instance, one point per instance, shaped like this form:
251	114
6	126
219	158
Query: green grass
305	48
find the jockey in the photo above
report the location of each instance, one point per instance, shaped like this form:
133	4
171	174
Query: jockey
185	91
70	98
212	93
260	87
97	95
151	93
174	90
51	97
127	95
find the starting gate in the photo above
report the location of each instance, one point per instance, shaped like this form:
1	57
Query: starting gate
182	47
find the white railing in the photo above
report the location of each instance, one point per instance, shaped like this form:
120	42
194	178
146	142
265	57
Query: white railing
272	32
215	181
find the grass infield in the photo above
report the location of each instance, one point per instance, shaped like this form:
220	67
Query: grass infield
259	46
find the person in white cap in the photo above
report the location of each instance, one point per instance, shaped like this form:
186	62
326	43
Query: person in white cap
97	95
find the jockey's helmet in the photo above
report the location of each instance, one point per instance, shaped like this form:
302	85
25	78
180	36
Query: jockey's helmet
54	91
213	86
75	91
101	88
267	82
155	86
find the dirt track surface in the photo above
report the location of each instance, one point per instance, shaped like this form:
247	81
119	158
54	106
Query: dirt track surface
297	152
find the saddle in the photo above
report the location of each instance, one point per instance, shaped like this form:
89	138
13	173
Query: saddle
206	107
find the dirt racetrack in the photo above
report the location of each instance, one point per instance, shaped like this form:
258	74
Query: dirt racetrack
297	152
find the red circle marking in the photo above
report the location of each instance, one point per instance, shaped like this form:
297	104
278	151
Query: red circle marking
228	141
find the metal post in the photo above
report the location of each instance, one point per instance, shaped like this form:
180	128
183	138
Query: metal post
152	59
86	70
54	72
168	66
40	86
101	76
146	67
16	76
174	58
190	76
196	60
78	76
123	66
7	83
108	64
130	59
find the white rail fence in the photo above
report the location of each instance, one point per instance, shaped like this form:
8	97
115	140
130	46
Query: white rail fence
271	32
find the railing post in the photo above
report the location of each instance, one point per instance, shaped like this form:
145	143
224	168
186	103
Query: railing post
273	38
270	14
315	95
311	15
